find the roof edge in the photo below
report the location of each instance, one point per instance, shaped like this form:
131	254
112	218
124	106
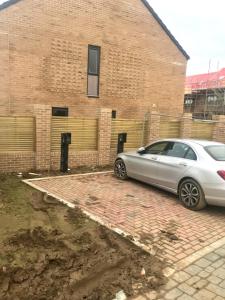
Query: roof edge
8	3
157	18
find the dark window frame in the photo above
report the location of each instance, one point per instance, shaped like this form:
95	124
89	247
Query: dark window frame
62	109
114	113
97	74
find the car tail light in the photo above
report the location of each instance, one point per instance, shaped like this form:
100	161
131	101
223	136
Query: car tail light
221	173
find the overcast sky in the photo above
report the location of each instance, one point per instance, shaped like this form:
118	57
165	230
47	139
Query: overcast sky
199	26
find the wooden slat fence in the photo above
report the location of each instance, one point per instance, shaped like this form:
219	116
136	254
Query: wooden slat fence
84	133
202	130
17	134
169	127
135	130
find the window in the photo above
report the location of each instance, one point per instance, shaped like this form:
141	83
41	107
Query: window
113	114
60	111
93	71
191	155
172	149
217	152
158	148
180	150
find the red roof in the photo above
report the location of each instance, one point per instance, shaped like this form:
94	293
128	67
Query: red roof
205	81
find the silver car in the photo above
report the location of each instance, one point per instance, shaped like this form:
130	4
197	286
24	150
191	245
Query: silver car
193	169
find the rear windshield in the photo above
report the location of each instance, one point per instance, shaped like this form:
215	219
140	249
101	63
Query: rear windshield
217	152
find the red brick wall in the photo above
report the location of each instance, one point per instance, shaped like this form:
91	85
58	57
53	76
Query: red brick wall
76	159
43	52
17	162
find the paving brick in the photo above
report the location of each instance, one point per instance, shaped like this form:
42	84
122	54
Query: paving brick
219	291
204	295
212	256
220	252
203	263
222	284
173	294
200	284
185	297
193	269
214	279
181	276
219	298
187	289
218	263
170	284
209	269
193	280
220	272
204	274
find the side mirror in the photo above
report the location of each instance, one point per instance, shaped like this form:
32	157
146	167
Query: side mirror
141	150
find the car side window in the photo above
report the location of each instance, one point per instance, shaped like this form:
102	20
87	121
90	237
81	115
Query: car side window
190	154
177	150
157	148
181	150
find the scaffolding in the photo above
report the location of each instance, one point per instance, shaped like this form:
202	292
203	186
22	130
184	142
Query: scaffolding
205	95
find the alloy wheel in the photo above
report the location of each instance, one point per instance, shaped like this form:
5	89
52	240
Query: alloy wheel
120	169
190	194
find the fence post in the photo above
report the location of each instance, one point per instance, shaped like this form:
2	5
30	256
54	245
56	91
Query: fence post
219	129
154	127
104	136
43	136
186	126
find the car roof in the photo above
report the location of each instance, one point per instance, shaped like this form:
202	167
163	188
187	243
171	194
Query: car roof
203	143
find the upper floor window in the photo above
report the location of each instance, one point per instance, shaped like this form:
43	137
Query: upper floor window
93	71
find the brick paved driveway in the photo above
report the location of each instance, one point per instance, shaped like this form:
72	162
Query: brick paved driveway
193	243
155	217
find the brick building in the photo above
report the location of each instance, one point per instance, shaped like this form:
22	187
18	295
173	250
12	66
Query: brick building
87	54
205	94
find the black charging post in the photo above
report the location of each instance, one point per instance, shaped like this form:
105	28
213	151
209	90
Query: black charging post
65	142
122	138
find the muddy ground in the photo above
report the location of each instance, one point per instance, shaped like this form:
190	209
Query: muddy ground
48	251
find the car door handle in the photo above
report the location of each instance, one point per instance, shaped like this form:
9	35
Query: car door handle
183	164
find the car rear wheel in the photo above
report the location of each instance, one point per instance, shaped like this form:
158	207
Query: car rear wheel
120	169
192	195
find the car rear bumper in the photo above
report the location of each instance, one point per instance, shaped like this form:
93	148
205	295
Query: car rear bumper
215	194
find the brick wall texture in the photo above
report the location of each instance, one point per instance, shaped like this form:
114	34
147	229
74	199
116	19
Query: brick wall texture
44	48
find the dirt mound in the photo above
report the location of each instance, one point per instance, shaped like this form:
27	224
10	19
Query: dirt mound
68	256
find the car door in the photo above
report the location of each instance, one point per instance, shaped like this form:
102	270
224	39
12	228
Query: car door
144	166
178	158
